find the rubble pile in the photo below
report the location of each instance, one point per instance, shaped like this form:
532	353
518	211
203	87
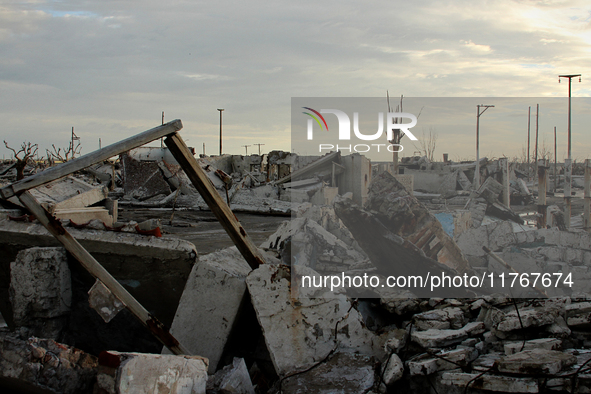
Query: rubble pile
271	319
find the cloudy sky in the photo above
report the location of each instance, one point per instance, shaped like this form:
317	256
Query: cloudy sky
109	68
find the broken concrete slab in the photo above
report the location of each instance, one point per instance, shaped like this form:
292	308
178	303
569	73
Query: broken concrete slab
43	365
434	338
41	290
439	319
143	373
299	332
210	303
487	382
542	343
341	373
427	364
536	361
534	317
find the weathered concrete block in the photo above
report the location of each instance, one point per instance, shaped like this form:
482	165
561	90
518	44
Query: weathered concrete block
536	361
210	303
440	319
40	289
442	338
495	383
426	365
342	373
535	317
143	373
542	343
299	332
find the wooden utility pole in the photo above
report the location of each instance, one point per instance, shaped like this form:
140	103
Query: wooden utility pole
246	147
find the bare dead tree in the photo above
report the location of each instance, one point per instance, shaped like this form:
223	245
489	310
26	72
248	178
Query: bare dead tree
397	133
63	155
22	156
427	143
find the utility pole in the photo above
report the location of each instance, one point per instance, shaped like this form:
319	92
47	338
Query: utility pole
570	77
528	140
477	170
221	110
246	147
536	154
568	162
162	139
204	149
259	145
554	159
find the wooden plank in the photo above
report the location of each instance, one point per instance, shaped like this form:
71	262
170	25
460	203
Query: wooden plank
215	202
55	227
90	159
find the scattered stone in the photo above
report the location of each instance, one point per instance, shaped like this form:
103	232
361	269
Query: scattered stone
433	362
43	365
394	370
151	373
396	340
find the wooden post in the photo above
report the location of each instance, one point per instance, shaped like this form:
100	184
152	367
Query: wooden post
89	159
506	196
542	166
568	170
220	209
55	227
587	206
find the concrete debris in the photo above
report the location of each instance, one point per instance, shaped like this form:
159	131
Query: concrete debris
393	370
341	373
41	291
494	383
104	302
542	343
232	379
536	361
429	363
43	365
151	373
216	288
302	332
434	338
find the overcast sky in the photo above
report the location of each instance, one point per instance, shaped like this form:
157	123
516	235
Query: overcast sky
109	68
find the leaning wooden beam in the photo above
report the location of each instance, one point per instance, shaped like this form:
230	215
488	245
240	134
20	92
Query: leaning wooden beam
55	227
90	159
218	206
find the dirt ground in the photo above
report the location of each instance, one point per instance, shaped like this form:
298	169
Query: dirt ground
202	228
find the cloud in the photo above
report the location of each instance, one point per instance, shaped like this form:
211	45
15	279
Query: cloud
110	67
